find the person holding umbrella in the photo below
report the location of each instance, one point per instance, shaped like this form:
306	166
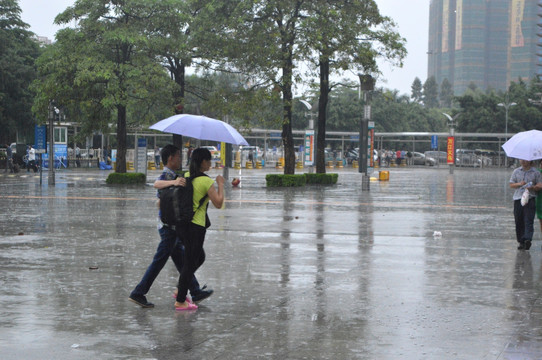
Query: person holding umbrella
524	178
170	244
194	256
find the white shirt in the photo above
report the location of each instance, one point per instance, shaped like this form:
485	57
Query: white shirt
31	154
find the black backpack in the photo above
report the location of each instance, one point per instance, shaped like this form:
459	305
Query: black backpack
176	203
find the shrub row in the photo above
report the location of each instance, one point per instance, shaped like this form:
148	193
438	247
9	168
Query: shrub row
322	178
281	180
126	178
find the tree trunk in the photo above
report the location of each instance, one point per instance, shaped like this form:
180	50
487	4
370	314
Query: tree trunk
287	137
322	106
120	165
177	68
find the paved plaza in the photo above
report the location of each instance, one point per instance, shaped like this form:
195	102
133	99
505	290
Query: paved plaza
299	273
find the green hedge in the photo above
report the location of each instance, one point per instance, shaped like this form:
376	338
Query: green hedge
280	180
322	178
126	178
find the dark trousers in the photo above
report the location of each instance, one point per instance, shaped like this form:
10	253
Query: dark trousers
9	165
32	165
169	245
194	256
524	216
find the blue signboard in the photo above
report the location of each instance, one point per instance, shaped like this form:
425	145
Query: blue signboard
434	142
61	156
40	137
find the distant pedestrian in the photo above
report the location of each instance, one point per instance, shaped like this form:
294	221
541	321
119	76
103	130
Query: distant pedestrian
157	157
189	155
32	159
9	159
388	158
105	154
77	156
525	177
251	157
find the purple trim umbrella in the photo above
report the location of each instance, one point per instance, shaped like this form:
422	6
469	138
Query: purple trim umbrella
200	127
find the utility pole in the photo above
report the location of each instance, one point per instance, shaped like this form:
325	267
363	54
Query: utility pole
367	83
51	143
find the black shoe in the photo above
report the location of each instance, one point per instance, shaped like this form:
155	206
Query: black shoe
521	246
201	295
141	300
527	245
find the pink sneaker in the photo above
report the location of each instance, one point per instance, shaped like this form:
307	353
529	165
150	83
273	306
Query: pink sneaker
191	306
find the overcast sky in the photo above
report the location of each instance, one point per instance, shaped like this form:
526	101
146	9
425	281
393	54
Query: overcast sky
411	17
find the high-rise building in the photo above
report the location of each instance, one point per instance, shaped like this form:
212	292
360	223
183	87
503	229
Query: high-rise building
488	43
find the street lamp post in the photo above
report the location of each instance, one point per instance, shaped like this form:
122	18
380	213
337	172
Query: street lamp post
367	84
451	125
507	104
51	143
309	145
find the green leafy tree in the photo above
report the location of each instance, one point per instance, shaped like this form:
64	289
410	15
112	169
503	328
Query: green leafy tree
430	93
263	42
446	93
345	35
416	90
183	34
18	52
111	68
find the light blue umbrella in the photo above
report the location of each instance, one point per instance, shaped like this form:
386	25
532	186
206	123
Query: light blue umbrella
525	145
200	127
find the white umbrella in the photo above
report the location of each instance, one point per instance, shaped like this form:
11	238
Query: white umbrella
526	145
200	127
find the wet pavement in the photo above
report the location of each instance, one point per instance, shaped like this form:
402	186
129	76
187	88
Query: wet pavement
307	273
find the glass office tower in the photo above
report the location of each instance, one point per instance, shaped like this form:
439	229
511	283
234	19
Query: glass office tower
485	42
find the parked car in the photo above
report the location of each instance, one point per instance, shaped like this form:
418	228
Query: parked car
488	157
441	156
351	155
214	151
467	157
420	159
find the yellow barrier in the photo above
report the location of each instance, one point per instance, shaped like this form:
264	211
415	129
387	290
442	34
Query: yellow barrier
129	165
384	175
339	164
237	165
151	165
299	165
355	164
248	165
259	165
329	164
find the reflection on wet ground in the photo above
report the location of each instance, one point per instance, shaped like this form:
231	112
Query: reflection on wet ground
308	273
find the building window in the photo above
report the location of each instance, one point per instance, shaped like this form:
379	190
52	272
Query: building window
60	135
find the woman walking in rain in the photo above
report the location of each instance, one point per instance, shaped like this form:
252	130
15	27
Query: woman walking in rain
194	256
